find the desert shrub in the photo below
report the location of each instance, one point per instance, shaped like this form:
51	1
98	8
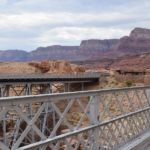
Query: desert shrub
128	83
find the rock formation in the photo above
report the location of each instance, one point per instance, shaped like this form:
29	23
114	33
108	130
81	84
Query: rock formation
58	67
138	42
100	45
140	33
55	52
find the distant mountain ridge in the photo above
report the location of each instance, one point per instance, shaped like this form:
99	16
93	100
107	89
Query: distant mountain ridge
137	42
13	55
55	52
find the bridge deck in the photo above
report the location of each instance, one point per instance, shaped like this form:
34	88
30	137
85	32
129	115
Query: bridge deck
90	77
142	142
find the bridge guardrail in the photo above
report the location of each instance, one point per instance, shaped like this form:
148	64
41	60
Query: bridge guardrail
100	119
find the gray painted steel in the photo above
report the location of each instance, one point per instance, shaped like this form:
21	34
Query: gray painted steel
17	85
50	77
107	119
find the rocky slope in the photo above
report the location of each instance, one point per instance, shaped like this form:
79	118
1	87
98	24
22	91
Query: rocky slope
133	63
137	63
137	42
58	67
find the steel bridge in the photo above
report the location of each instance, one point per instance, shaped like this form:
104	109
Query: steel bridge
17	85
106	119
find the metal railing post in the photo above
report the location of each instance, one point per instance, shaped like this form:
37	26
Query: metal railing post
148	95
148	100
94	119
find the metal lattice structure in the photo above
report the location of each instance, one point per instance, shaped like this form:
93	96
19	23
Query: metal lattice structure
90	120
18	85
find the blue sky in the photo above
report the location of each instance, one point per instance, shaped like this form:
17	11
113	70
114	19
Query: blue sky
28	24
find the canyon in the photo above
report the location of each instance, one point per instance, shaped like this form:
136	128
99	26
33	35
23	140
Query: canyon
138	42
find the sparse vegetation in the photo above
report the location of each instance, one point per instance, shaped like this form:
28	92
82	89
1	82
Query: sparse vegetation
128	83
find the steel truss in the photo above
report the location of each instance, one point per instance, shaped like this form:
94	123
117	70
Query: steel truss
27	88
18	85
100	119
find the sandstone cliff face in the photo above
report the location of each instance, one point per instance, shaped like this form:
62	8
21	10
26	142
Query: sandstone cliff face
55	52
128	45
140	33
137	42
97	49
101	45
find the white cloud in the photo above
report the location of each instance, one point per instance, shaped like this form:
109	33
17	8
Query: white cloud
46	22
3	2
28	20
62	36
73	35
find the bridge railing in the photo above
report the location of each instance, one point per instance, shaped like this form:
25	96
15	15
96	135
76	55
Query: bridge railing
100	119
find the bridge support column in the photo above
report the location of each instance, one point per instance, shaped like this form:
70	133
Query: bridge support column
1	91
4	90
45	89
148	95
66	87
7	90
82	86
94	119
49	89
28	89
